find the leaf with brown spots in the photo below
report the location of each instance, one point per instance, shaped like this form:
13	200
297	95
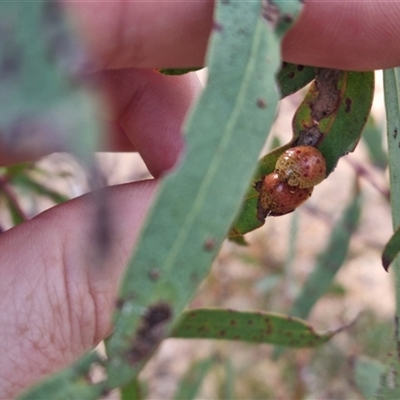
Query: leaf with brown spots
331	118
246	326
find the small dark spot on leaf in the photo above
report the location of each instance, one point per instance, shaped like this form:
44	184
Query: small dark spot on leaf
209	244
157	314
288	18
222	333
232	322
250	322
237	337
194	277
154	274
119	304
261	103
300	67
150	333
291	75
192	314
216	26
284	65
348	102
395	133
105	392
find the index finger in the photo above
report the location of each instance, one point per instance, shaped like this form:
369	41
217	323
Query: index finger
352	34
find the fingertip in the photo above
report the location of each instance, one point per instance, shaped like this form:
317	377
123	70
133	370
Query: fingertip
353	35
153	120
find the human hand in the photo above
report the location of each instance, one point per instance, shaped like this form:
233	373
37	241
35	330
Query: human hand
54	304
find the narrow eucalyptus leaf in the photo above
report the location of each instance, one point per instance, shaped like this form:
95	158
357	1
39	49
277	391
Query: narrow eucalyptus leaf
390	387
69	384
292	77
254	327
197	203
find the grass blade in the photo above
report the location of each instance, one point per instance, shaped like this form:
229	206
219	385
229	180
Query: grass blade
367	375
372	137
391	78
330	261
190	384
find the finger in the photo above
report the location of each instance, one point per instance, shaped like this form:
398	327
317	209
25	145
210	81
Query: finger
149	109
145	34
350	34
353	34
145	113
56	301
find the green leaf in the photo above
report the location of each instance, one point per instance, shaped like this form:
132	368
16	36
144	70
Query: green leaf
12	171
196	205
17	214
391	250
329	261
132	391
254	327
292	77
367	375
13	204
191	382
33	186
372	137
340	126
333	126
228	386
177	71
390	387
68	384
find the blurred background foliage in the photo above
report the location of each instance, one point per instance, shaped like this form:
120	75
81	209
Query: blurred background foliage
269	274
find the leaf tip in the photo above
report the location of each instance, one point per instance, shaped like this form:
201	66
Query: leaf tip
386	261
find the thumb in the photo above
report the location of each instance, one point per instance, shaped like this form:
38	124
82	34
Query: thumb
55	303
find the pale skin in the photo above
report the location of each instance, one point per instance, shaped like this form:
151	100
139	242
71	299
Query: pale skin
54	304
